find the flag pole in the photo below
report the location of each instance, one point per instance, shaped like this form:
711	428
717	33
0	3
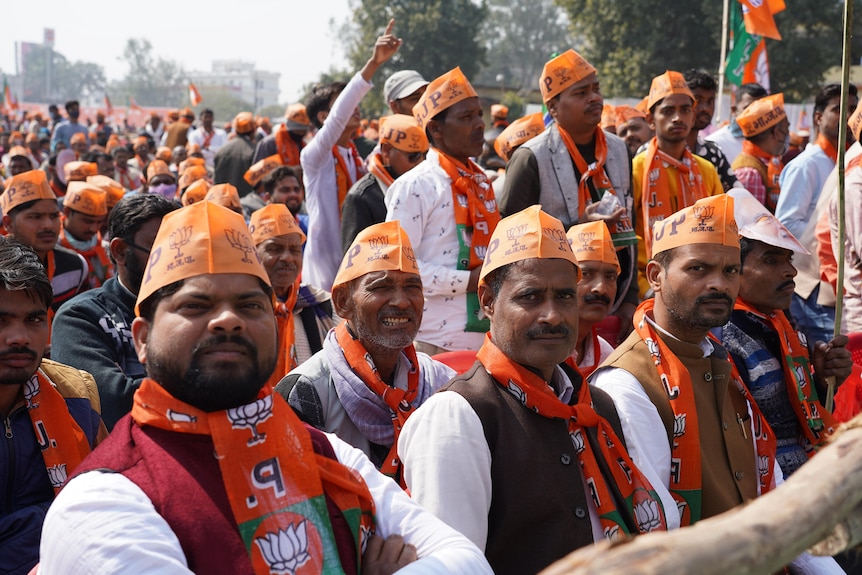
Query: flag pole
842	145
725	17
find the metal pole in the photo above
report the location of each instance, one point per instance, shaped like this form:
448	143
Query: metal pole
725	17
842	145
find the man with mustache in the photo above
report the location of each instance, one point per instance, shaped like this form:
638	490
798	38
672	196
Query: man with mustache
597	288
93	331
667	176
31	216
369	378
252	489
773	358
704	88
50	411
632	127
519	453
447	206
575	170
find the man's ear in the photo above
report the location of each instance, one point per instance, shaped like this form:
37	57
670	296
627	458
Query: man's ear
140	335
119	249
650	121
342	303
654	275
384	153
321	116
486	299
7	223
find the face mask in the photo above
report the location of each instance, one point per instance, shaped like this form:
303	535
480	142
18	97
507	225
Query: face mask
74	115
165	190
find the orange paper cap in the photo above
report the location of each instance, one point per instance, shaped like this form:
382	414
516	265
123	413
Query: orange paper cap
296	113
403	133
665	85
566	69
261	168
191	175
26	187
203	238
756	223
196	192
625	113
77	138
164	153
224	195
158	168
709	221
190	162
86	198
114	189
517	133
380	247
642	106
444	92
19	151
271	221
499	111
79	171
609	117
243	123
761	115
592	242
855	122
193	149
530	233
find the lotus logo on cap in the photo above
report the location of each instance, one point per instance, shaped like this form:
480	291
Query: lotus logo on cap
557	235
240	241
586	238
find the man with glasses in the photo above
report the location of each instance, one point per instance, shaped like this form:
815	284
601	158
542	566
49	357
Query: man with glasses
403	146
93	331
766	129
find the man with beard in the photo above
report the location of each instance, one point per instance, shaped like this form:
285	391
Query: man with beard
369	378
269	491
519	453
93	331
31	216
331	163
772	357
50	411
447	207
667	176
597	288
704	88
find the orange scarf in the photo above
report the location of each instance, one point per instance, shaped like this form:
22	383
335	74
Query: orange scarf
476	216
287	360
622	232
97	252
534	394
828	148
686	484
774	166
64	444
655	185
287	148
376	167
126	179
342	174
817	424
398	400
274	480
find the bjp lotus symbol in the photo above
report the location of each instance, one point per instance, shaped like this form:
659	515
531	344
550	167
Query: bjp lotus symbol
250	416
31	389
703	213
647	515
240	241
57	475
180	238
286	550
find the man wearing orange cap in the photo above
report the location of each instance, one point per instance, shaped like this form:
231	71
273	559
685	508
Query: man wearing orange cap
226	196
729	137
520	131
288	139
85	208
235	157
447	207
773	359
330	162
130	177
667	176
516	440
93	331
210	138
114	191
19	161
31	216
142	157
177	133
632	128
369	378
403	146
597	288
284	186
104	163
50	411
277	493
160	180
499	122
704	88
155	127
79	144
101	130
765	128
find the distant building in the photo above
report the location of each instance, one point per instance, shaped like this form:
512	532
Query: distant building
241	80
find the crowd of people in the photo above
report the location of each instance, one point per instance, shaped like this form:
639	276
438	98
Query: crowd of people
427	344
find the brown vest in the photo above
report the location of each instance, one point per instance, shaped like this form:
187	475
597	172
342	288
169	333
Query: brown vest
728	465
539	511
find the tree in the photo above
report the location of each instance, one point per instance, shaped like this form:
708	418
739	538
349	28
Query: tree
438	36
152	82
69	80
520	37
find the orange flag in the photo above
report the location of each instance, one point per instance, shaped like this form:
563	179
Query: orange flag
759	17
194	95
757	68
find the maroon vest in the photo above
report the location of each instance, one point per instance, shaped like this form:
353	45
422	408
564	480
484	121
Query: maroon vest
180	475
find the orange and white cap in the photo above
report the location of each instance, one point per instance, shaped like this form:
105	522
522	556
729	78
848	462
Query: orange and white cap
261	168
563	71
381	247
224	195
26	187
441	94
666	85
86	198
517	133
114	189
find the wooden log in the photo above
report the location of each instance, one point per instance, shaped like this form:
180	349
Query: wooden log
760	537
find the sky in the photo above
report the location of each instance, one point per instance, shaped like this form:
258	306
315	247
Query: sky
193	34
